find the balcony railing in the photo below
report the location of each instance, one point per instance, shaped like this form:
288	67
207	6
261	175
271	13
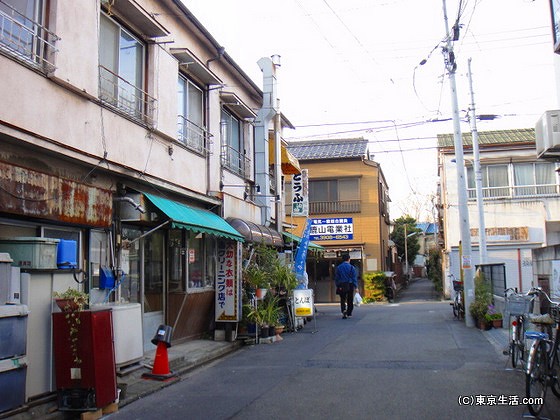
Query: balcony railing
235	161
27	40
193	136
330	207
125	97
524	191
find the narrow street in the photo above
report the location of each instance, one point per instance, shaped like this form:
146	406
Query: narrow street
409	359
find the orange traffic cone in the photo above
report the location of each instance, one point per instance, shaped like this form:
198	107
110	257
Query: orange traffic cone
160	370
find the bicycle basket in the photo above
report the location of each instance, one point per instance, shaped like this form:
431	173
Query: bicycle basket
518	304
457	285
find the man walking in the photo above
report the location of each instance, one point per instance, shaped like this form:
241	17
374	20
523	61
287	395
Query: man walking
346	281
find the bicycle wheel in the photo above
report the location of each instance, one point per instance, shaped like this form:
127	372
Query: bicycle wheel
455	309
514	353
461	311
536	379
555	383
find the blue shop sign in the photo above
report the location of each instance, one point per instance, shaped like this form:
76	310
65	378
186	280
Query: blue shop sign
332	229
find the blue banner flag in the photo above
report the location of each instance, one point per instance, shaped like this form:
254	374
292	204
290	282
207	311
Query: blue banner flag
301	253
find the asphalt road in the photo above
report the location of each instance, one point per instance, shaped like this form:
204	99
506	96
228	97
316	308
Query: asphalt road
405	360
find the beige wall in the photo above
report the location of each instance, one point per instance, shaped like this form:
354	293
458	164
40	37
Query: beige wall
369	229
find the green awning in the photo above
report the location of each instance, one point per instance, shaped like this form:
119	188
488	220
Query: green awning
297	239
197	220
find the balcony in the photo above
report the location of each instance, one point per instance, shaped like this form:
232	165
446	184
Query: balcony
125	97
26	40
235	161
518	191
194	137
330	207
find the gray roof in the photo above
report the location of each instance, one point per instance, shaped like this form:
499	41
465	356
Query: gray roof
522	135
329	149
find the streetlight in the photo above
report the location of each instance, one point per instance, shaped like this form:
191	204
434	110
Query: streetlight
406	248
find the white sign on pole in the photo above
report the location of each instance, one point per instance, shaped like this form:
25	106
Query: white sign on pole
303	302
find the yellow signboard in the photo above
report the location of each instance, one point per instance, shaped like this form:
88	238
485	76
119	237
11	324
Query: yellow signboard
303	302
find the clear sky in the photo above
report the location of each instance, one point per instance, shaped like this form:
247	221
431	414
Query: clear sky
351	68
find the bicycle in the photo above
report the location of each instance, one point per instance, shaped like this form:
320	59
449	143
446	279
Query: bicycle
543	363
518	306
458	305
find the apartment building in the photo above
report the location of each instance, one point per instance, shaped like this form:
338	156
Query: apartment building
129	130
348	209
521	206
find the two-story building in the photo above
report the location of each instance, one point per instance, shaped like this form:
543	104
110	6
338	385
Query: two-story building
128	130
348	209
521	206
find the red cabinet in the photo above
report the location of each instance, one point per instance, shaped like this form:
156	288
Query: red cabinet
91	383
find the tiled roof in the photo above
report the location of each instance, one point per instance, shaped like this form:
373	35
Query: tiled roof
328	149
523	135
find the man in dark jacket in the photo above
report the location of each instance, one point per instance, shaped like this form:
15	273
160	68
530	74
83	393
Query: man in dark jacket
346	280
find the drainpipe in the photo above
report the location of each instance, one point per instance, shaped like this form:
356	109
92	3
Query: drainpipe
264	116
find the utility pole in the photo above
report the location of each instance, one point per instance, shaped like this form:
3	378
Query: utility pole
477	177
466	260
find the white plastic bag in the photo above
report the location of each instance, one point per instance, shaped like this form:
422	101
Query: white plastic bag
357	299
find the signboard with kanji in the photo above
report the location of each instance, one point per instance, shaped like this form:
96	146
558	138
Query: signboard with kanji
303	302
332	229
300	195
227	283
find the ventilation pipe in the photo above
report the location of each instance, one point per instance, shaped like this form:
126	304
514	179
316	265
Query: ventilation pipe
264	117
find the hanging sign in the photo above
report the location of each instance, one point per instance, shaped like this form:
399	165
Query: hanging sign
303	302
300	194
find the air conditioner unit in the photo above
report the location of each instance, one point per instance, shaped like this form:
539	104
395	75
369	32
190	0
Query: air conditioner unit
547	136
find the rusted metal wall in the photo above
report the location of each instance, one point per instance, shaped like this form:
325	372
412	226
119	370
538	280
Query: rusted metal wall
35	194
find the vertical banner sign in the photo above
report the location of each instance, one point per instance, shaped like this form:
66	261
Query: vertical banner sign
227	284
300	195
303	302
301	253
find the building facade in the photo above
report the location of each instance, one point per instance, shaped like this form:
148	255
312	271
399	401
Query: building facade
128	130
521	206
348	209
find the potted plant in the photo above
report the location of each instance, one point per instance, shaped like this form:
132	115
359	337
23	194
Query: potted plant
256	278
72	302
493	317
271	312
482	300
283	279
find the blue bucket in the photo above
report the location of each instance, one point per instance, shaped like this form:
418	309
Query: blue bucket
66	255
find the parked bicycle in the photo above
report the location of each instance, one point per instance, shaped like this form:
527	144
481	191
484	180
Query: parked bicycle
458	305
543	364
518	306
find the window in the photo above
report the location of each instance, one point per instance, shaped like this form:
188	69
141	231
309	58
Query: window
202	263
23	35
121	71
334	196
233	153
191	116
515	180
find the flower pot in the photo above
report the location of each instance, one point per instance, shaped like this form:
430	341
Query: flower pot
264	331
271	331
261	293
497	323
67	305
279	329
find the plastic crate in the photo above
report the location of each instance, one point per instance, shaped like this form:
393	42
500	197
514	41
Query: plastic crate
31	252
13	330
12	382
